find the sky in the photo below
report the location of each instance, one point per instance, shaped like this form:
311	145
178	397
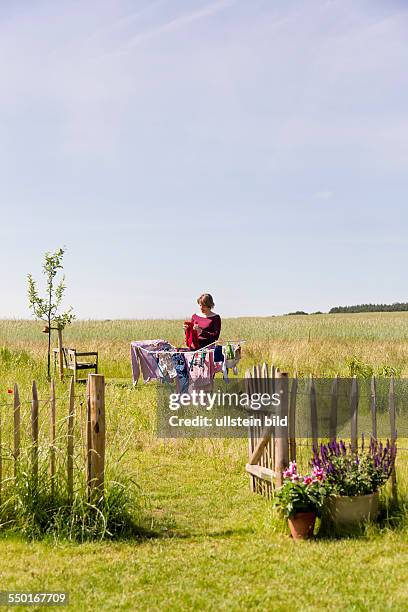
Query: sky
254	150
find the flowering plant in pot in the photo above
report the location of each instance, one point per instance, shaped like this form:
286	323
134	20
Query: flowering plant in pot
353	477
300	499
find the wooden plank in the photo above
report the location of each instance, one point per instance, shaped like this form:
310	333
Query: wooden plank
257	429
34	433
256	375
60	357
17	426
70	441
266	457
263	473
281	432
354	414
96	444
263	440
263	458
373	406
292	419
52	436
272	377
272	442
334	396
250	430
265	378
313	413
393	428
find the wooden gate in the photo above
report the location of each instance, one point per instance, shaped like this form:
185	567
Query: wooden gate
271	448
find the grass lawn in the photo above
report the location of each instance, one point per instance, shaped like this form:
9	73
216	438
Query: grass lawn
213	544
217	547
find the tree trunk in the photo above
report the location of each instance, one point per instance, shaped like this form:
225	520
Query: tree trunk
49	352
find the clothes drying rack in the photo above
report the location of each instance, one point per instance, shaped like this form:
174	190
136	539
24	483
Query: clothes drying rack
183	349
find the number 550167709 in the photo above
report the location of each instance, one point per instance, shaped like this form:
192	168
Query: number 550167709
30	598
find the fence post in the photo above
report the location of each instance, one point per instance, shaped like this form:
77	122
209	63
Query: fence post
292	418
353	414
60	362
333	409
53	436
70	441
391	407
373	406
313	413
251	438
282	440
96	433
16	419
34	433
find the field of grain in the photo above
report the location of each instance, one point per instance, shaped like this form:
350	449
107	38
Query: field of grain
213	544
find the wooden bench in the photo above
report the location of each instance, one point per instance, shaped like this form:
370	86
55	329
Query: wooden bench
71	362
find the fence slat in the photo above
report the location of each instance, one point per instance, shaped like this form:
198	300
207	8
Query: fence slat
281	440
70	441
391	407
313	413
373	406
251	443
354	414
272	376
16	422
52	435
34	432
292	419
265	378
333	409
96	442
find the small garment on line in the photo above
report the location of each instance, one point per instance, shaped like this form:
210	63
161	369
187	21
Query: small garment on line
144	361
231	357
180	365
166	366
201	368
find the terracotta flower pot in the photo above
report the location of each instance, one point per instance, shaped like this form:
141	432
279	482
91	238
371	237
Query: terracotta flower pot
302	525
345	510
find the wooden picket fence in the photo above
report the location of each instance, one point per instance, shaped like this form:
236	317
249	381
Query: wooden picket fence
74	440
271	449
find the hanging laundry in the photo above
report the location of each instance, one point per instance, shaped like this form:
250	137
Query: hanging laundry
166	366
231	357
144	361
181	368
218	356
201	370
218	359
229	352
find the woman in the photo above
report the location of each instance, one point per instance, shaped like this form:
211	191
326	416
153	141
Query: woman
207	326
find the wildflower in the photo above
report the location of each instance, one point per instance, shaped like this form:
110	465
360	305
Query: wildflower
307	480
291	470
10	391
318	474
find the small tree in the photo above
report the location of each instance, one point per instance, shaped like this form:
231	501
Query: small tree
46	309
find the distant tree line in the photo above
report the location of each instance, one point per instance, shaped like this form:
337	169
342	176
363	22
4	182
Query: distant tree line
396	307
302	312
